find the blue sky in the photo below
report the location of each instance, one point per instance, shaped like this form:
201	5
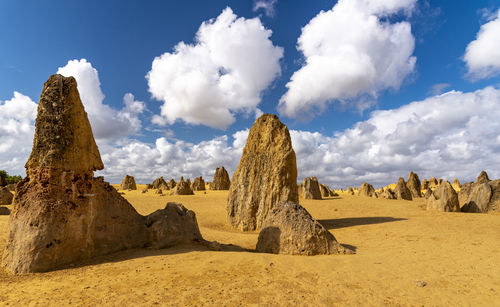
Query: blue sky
120	40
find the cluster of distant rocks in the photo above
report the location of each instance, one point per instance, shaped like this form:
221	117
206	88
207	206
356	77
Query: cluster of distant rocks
220	181
480	196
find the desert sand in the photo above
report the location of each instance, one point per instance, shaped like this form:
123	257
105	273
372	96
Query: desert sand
399	248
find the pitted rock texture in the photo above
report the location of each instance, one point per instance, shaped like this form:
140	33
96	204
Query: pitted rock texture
221	179
266	174
158	183
128	183
481	196
401	191
366	190
309	188
290	229
198	184
62	213
414	185
5	196
443	198
182	188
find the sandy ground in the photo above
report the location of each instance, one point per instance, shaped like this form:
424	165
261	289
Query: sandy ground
397	243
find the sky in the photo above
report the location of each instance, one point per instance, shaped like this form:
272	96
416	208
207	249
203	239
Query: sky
370	90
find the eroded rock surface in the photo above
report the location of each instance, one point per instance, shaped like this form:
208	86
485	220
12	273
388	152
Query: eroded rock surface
128	183
443	198
62	213
5	196
366	190
401	191
290	229
309	188
266	174
414	185
182	188
198	184
221	180
480	196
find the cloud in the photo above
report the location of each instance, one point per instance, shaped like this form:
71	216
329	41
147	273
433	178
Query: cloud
17	116
223	73
266	5
438	88
482	55
352	52
107	123
422	136
171	158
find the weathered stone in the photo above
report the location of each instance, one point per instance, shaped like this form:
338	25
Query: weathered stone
266	174
62	213
290	229
480	196
128	183
433	183
4	211
171	184
425	184
11	187
401	191
171	226
309	188
70	136
428	193
159	191
443	198
413	185
456	184
5	196
366	190
325	190
159	183
387	194
221	179
198	184
482	178
182	188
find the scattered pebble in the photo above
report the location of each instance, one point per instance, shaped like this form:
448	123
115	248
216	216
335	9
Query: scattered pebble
420	283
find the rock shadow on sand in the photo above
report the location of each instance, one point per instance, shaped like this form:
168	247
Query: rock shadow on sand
357	221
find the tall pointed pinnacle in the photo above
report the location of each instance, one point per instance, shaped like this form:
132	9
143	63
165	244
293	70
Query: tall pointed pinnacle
63	136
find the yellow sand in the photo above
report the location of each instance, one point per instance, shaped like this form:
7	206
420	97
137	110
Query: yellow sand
397	244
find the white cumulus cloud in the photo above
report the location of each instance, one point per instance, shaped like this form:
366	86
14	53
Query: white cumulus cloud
352	52
17	116
482	55
107	122
224	72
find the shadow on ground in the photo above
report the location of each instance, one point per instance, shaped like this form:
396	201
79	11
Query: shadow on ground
356	221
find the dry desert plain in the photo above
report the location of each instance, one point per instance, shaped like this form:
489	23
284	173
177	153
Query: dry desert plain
404	256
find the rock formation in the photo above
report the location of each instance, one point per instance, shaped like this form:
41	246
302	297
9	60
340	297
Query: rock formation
221	180
440	181
401	191
159	183
171	184
433	183
128	183
425	184
4	211
290	229
428	193
480	196
325	190
366	190
309	188
413	185
387	194
456	184
5	196
62	213
182	188
266	174
11	187
159	191
350	191
198	184
443	198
